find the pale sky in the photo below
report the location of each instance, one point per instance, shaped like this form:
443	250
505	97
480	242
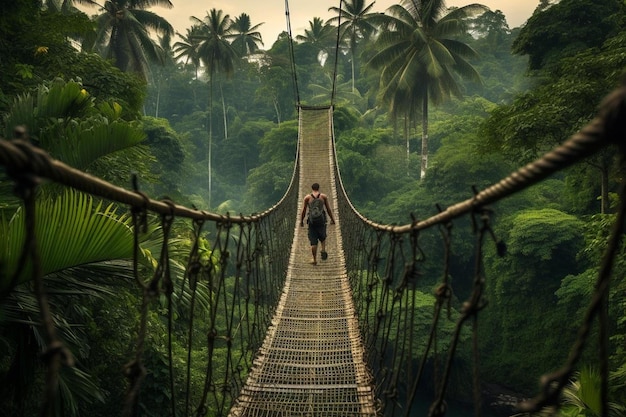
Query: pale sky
272	12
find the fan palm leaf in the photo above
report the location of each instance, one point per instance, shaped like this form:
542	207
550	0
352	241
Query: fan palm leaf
582	397
76	231
58	101
85	143
81	133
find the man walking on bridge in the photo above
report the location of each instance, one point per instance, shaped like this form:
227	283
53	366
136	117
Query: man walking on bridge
317	205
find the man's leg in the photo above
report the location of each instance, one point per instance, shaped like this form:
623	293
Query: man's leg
323	243
313	240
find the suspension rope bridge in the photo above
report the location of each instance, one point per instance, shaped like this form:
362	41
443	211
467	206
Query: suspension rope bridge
312	360
287	338
321	354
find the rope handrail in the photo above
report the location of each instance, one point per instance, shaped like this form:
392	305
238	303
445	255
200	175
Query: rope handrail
294	72
605	129
338	40
19	155
385	262
257	264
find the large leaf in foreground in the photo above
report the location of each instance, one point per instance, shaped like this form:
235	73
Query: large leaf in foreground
71	230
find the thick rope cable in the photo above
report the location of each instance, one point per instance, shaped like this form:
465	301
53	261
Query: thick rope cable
192	274
22	156
334	88
55	354
443	294
294	72
605	129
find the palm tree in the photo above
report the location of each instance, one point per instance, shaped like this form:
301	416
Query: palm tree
188	48
345	97
246	38
218	56
419	55
123	34
355	20
320	35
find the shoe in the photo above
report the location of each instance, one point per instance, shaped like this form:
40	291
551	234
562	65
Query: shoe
314	263
324	255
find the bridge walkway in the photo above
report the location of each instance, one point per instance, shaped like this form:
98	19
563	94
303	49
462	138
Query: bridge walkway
312	362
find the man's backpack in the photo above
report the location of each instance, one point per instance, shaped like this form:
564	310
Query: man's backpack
317	215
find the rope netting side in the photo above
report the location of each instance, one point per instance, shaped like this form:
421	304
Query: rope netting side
232	279
386	262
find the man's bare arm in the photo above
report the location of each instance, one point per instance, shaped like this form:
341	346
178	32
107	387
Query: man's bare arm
330	214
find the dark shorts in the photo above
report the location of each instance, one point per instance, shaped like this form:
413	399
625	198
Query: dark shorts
317	233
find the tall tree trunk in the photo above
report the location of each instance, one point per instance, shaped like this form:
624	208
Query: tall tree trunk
195	95
277	110
210	137
424	159
158	99
353	70
603	165
224	112
604	191
353	52
408	146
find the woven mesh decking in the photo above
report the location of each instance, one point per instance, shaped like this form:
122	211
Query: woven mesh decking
311	362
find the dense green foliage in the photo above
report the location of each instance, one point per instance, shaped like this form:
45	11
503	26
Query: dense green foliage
215	127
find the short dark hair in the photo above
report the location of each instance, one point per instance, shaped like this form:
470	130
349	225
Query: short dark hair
315	186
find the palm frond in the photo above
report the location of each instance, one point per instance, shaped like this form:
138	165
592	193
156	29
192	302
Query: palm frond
58	100
151	20
76	231
123	34
82	145
143	4
20	114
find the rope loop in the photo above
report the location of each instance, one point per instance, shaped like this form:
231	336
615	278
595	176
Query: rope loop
443	292
202	411
613	112
140	213
167	219
438	409
56	349
485	216
551	387
446	233
134	370
24	179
